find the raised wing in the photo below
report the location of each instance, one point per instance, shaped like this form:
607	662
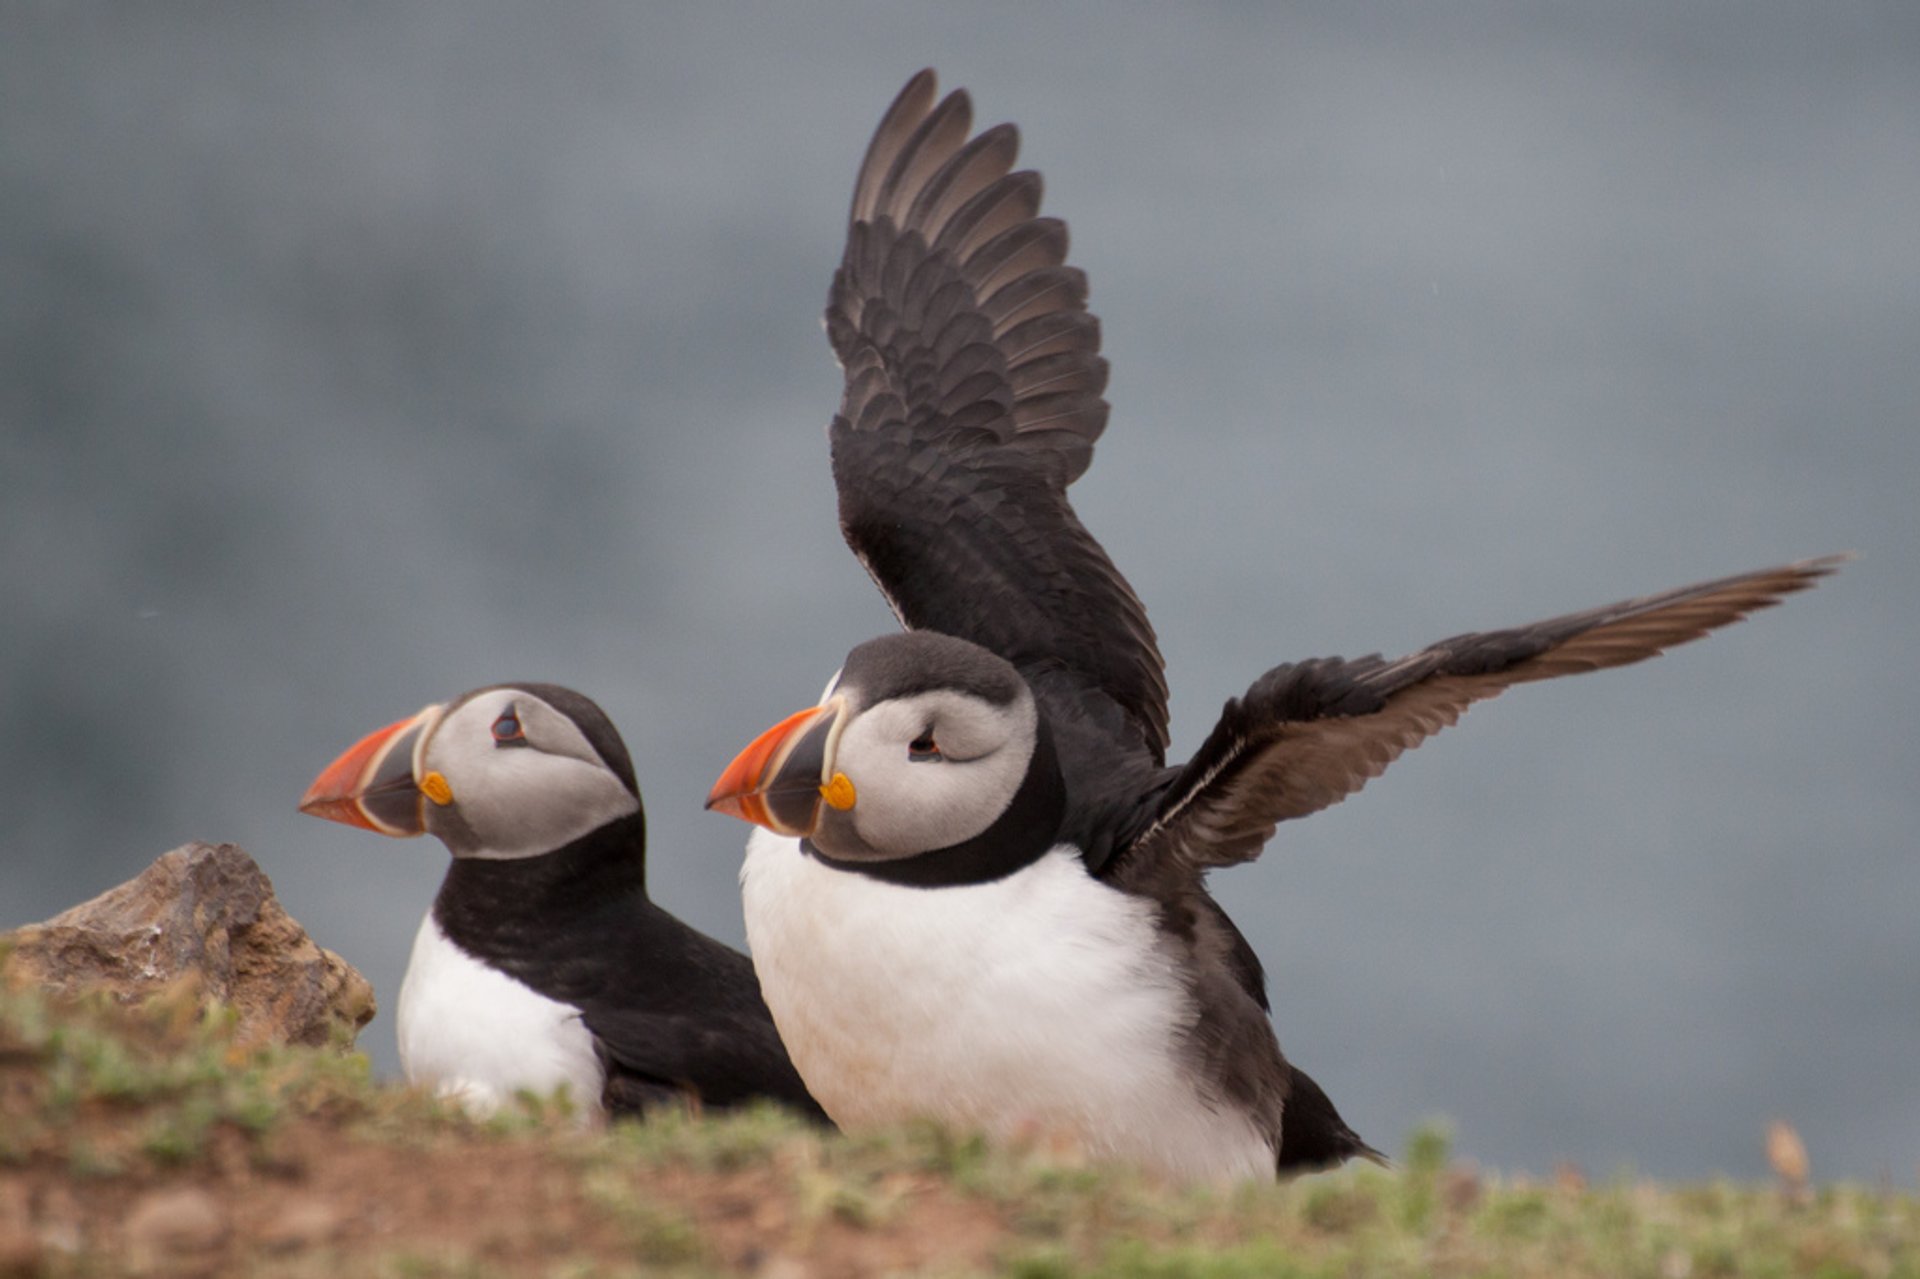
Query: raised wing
973	398
1309	734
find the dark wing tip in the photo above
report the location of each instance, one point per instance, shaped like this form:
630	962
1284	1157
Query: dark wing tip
902	117
1632	630
1820	566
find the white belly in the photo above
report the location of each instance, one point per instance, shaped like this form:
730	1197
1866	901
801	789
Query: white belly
1041	1004
473	1033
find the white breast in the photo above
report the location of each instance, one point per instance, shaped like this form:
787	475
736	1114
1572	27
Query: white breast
1043	1004
475	1034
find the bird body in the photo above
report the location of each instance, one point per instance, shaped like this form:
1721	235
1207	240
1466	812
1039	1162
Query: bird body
1042	1003
542	962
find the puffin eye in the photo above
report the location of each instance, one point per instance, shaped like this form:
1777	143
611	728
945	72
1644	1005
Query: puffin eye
507	730
923	748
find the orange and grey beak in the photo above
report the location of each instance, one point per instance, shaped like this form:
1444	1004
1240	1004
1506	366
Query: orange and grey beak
781	780
373	785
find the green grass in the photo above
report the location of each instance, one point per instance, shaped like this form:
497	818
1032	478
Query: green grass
173	1070
111	1104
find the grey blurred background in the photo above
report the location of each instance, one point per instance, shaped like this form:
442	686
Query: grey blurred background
353	356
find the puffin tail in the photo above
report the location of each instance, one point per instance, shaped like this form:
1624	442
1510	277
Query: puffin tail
1313	1135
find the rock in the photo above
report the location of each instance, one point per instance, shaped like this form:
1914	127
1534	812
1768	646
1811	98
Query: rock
203	913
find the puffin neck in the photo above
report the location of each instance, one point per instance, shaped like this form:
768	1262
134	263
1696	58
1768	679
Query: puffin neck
512	908
1019	837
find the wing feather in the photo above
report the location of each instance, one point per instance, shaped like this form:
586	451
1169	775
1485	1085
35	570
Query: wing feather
973	397
1309	734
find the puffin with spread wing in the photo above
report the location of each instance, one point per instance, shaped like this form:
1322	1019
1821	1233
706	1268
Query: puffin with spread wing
979	894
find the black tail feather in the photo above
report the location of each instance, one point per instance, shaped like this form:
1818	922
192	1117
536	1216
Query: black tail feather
1312	1133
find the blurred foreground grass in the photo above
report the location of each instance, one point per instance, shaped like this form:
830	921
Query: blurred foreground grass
150	1141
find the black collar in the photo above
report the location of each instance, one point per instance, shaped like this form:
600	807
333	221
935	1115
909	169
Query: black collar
1019	837
521	911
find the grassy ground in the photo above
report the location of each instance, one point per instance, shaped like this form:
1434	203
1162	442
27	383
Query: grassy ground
152	1143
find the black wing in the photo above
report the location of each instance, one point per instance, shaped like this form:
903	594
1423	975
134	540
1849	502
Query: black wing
973	398
1309	734
712	1062
708	1039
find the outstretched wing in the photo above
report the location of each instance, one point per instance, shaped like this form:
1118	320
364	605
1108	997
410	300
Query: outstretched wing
1309	734
973	398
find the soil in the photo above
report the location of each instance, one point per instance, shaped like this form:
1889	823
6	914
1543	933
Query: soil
310	1198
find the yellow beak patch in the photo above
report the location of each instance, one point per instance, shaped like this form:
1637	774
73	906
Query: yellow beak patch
435	788
838	792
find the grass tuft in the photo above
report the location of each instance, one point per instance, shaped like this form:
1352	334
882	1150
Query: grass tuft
172	1068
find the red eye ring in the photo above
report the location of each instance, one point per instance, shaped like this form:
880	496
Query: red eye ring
507	730
923	748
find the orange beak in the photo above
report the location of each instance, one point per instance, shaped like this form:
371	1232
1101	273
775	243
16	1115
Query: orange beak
780	780
372	785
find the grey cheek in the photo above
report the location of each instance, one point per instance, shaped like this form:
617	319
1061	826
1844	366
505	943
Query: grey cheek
450	827
838	836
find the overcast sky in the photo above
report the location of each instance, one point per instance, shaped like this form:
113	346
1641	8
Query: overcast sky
351	357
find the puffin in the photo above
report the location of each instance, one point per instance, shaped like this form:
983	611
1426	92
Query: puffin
543	963
978	891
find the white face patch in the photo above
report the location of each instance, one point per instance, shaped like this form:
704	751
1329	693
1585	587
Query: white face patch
909	801
524	798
